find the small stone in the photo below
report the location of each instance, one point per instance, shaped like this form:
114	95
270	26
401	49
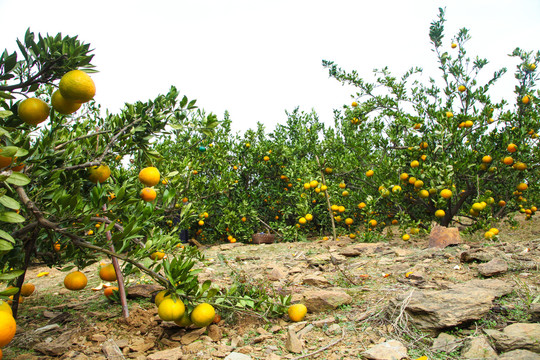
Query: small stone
316	280
237	342
493	267
441	237
478	348
215	333
273	357
323	322
276	274
194	347
237	356
323	300
519	355
192	336
98	338
293	343
170	354
389	350
333	329
445	343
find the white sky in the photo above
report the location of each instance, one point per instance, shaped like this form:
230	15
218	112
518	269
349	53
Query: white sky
260	58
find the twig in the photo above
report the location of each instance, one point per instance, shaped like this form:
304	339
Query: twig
324	347
58	147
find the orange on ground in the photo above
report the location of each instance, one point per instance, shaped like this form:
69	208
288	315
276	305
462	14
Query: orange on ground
297	312
75	281
109	291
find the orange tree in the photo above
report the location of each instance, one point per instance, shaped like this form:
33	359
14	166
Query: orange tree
437	150
77	197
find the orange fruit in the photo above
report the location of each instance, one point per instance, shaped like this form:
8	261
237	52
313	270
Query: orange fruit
406	237
149	176
158	255
461	88
313	184
520	166
502	203
508	160
78	86
107	273
99	174
161	296
203	315
512	148
522	187
171	309
449	114
184	321
404	176
297	312
446	194
486	159
354	104
342	185
526	99
453	46
33	111
373	223
414	163
361	205
440	213
370	173
348	221
148	194
309	217
75	281
4	307
418	184
27	289
109	291
266	158
8	326
302	220
63	105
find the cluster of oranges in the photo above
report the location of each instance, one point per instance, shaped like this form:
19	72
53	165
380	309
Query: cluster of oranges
149	176
171	308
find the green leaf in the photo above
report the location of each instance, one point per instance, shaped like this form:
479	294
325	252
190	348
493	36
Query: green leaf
6	236
18	179
11	275
11	217
5	246
9	202
5	95
5	113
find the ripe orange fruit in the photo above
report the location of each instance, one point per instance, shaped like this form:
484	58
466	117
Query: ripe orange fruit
370	173
8	326
486	159
354	104
342	185
302	220
446	194
4	307
107	273
488	234
449	114
266	158
75	280
27	289
373	223
313	184
526	99
495	231
522	187
462	88
348	221
468	123
160	297
78	86
148	194
33	111
171	309
406	237
149	176
309	217
418	184
453	46
502	203
99	174
63	105
508	160
109	291
520	166
361	205
404	176
328	170
423	194
512	148
203	315
158	255
440	213
415	163
297	312
184	321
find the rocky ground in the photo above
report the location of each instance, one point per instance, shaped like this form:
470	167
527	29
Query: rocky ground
387	300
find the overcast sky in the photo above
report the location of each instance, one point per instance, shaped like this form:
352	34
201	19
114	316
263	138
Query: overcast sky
257	59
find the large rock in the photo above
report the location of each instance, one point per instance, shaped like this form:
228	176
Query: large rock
389	350
481	255
519	355
433	310
322	300
316	280
441	237
517	336
478	348
493	267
